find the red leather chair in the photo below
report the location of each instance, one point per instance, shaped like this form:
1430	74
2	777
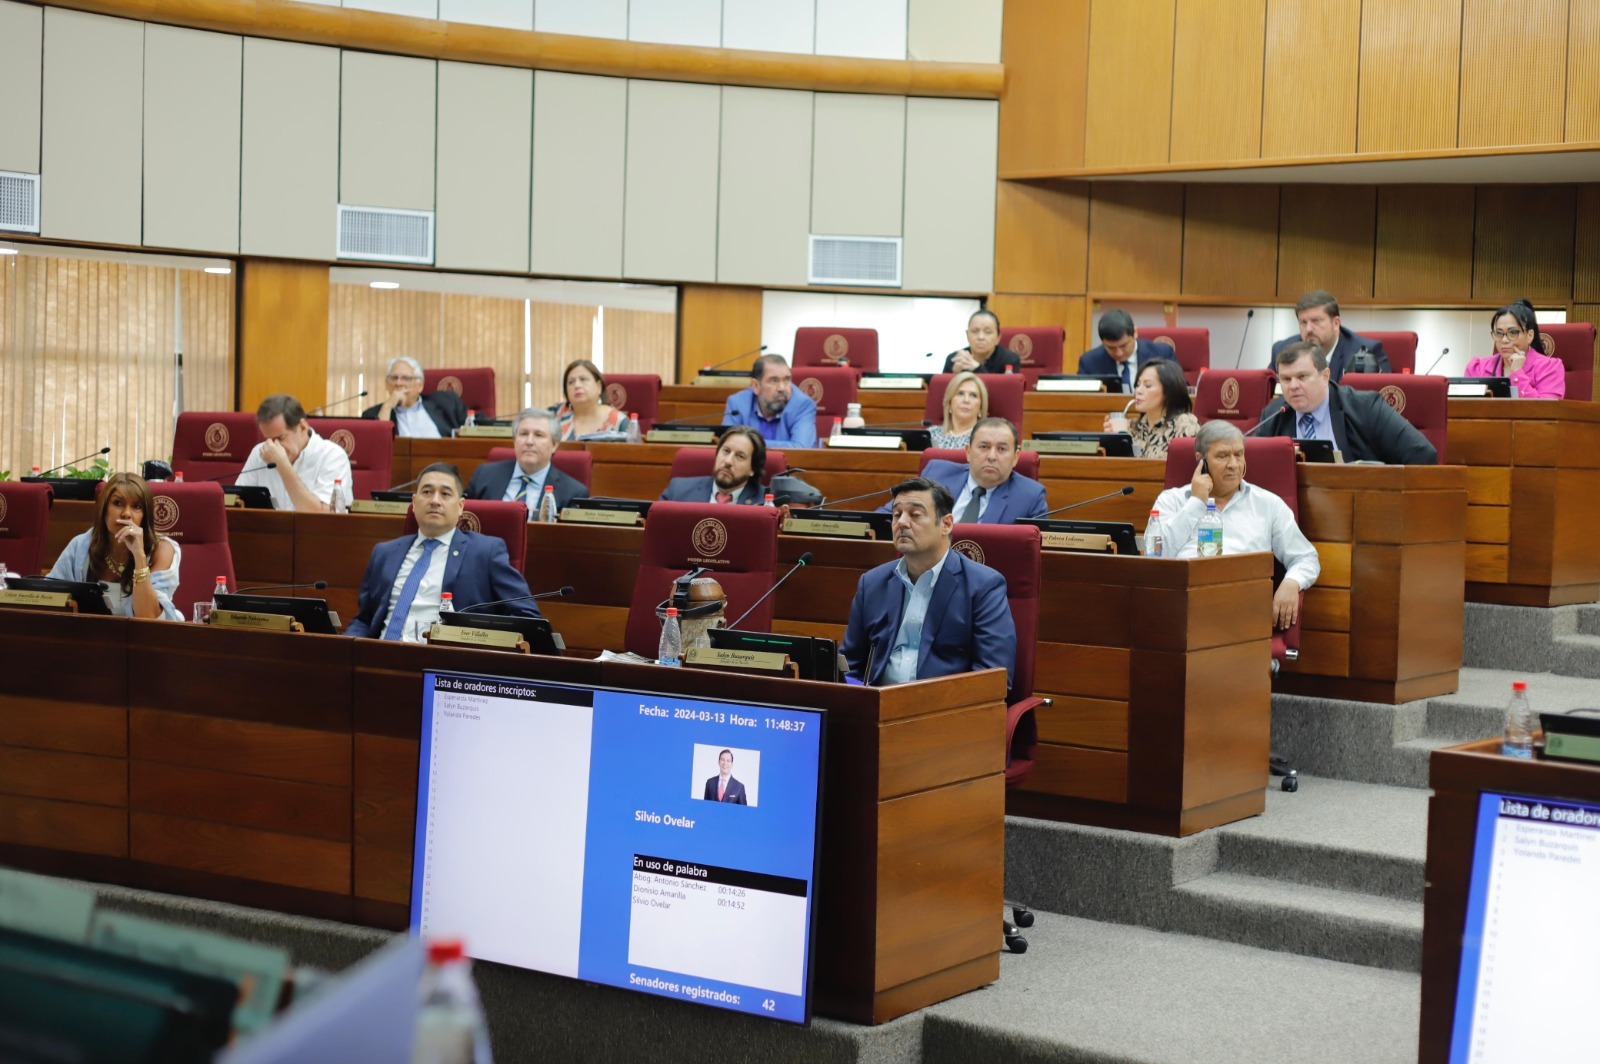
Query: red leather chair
475	386
638	394
1401	347
1042	349
1236	396
207	445
577	464
700	461
24	526
1005	397
508	520
1270	465
738	544
1192	346
832	388
1420	400
195	516
1027	461
370	445
856	348
1573	344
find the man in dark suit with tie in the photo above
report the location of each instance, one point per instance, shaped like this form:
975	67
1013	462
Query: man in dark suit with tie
407	577
1362	425
987	489
934	612
524	478
740	460
435	416
1318	314
723	787
1121	352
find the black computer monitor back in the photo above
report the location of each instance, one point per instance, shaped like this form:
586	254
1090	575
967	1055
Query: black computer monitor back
815	657
312	613
88	594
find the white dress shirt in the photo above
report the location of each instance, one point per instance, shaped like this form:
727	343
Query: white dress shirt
902	666
1254	520
966	496
425	607
414	421
318	466
534	490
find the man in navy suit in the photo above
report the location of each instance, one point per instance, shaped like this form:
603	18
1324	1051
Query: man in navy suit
1318	315
524	478
934	612
407	577
987	490
723	787
735	474
1121	352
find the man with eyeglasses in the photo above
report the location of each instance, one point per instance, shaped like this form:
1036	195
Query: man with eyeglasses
1361	424
431	416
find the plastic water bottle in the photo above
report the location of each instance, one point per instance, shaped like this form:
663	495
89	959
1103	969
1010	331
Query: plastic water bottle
336	503
203	610
472	418
634	435
852	416
450	1024
177	477
447	602
1010	368
547	505
1520	723
837	430
1154	533
770	502
1208	535
4	576
671	650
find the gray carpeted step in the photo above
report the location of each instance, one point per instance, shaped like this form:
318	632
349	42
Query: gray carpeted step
1577	655
1588	620
1090	992
1295	918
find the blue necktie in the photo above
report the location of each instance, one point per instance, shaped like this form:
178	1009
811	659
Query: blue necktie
1308	426
408	593
1125	385
522	496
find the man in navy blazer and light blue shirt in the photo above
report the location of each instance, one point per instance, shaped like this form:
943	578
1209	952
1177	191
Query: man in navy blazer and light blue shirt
407	577
988	489
934	612
524	478
1121	352
772	407
736	471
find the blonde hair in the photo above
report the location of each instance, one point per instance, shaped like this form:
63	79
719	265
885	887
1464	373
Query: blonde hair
950	393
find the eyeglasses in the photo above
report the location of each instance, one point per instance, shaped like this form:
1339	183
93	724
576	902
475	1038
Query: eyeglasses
1507	334
392	379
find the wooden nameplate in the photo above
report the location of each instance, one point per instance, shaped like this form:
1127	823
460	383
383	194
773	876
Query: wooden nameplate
497	432
1090	542
813	526
683	435
378	506
38	600
755	662
1085	447
580	515
264	622
480	638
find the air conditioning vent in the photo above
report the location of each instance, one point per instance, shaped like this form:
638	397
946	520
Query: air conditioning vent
384	234
856	260
19	202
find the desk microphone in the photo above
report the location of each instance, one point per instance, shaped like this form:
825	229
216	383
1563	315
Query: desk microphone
320	585
240	473
735	358
803	561
1237	362
75	461
853	498
558	593
362	394
1436	361
407	484
1266	420
1099	498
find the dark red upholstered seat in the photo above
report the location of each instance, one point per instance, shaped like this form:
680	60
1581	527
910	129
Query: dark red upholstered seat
700	461
210	444
508	520
827	346
1420	400
575	463
739	544
1042	348
1236	396
475	386
1573	344
832	388
24	526
370	445
1027	461
1401	347
195	516
638	394
1192	345
1005	397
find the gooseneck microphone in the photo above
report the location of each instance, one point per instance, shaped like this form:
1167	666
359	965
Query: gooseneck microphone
1128	490
407	484
1436	361
800	563
240	473
75	461
362	394
320	585
735	358
687	420
560	592
1239	361
853	498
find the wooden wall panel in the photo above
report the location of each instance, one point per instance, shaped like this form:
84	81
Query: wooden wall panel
1128	117
1045	48
715	323
1523	243
1313	55
1586	255
1041	237
1327	240
1424	249
1230	240
283	331
1216	80
1136	237
22	79
1514	102
1410	74
1069	312
1583	59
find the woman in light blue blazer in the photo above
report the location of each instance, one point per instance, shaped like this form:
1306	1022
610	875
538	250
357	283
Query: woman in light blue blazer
121	550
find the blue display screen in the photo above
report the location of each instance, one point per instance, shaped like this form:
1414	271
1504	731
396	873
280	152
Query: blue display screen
661	844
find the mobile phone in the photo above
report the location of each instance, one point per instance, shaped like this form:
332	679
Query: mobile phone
1205	468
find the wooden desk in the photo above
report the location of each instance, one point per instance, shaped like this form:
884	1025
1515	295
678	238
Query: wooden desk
1533	485
280	771
1458	776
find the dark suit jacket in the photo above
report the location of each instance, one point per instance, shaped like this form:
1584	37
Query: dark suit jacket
478	570
734	794
1097	361
489	481
446	408
1365	428
968	626
698	489
1017	497
1349	343
998	360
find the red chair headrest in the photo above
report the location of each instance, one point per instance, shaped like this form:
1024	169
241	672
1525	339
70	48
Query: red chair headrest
1042	348
1234	395
832	388
1005	396
1027	461
700	461
474	384
1269	463
1421	400
828	346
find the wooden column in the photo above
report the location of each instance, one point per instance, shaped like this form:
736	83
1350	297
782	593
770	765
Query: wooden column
715	323
283	331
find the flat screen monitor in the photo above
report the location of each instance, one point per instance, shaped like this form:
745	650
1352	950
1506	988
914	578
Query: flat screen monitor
312	613
1479	387
88	594
1529	977
589	832
817	658
1119	532
1111	444
541	638
1109	382
1320	451
253	496
915	439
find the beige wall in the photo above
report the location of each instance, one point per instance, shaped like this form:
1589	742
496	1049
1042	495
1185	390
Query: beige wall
577	196
485	163
191	139
21	59
289	150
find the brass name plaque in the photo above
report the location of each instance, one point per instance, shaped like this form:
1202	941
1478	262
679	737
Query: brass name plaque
1090	447
578	515
230	499
378	506
55	600
811	526
475	637
719	382
680	436
268	622
497	432
725	658
915	384
1081	541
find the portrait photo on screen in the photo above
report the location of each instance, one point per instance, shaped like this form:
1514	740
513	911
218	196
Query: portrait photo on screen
731	775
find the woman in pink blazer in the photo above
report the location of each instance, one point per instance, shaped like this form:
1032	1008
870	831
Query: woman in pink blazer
1519	355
